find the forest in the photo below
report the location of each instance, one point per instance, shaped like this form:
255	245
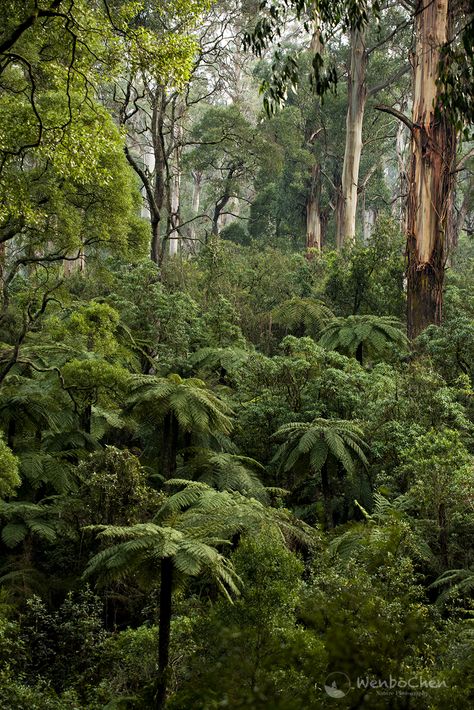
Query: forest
236	354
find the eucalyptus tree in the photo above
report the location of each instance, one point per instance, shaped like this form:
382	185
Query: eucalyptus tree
430	223
319	447
229	152
156	107
361	87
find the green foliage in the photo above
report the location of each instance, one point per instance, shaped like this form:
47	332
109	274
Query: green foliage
255	654
173	431
368	279
9	478
304	314
190	402
359	335
62	644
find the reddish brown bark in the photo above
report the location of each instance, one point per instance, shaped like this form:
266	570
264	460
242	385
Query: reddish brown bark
430	196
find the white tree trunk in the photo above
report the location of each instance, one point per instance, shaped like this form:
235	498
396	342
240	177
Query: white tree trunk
313	214
402	144
357	96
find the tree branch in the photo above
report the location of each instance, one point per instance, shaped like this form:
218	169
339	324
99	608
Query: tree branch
397	114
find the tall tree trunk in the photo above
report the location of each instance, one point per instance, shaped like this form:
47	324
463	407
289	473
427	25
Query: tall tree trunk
357	96
86	419
11	432
196	202
313	215
223	201
313	206
174	211
359	354
399	205
164	629
430	197
175	176
463	212
158	117
76	264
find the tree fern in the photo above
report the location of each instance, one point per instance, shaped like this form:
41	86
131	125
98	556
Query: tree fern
321	443
455	581
360	336
177	407
226	471
302	316
20	519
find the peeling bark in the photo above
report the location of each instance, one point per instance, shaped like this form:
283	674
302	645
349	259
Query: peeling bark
430	196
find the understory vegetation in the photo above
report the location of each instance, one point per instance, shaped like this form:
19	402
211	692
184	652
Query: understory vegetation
316	511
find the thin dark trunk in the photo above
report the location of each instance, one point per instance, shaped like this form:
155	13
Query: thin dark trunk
164	632
155	248
360	353
11	433
86	418
326	491
158	115
443	535
170	446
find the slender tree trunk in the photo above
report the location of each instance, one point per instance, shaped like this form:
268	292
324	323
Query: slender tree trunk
86	419
369	218
175	177
170	446
443	534
158	117
399	205
174	213
357	96
164	629
313	206
222	202
430	197
327	503
11	432
463	212
360	353
196	201
313	216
